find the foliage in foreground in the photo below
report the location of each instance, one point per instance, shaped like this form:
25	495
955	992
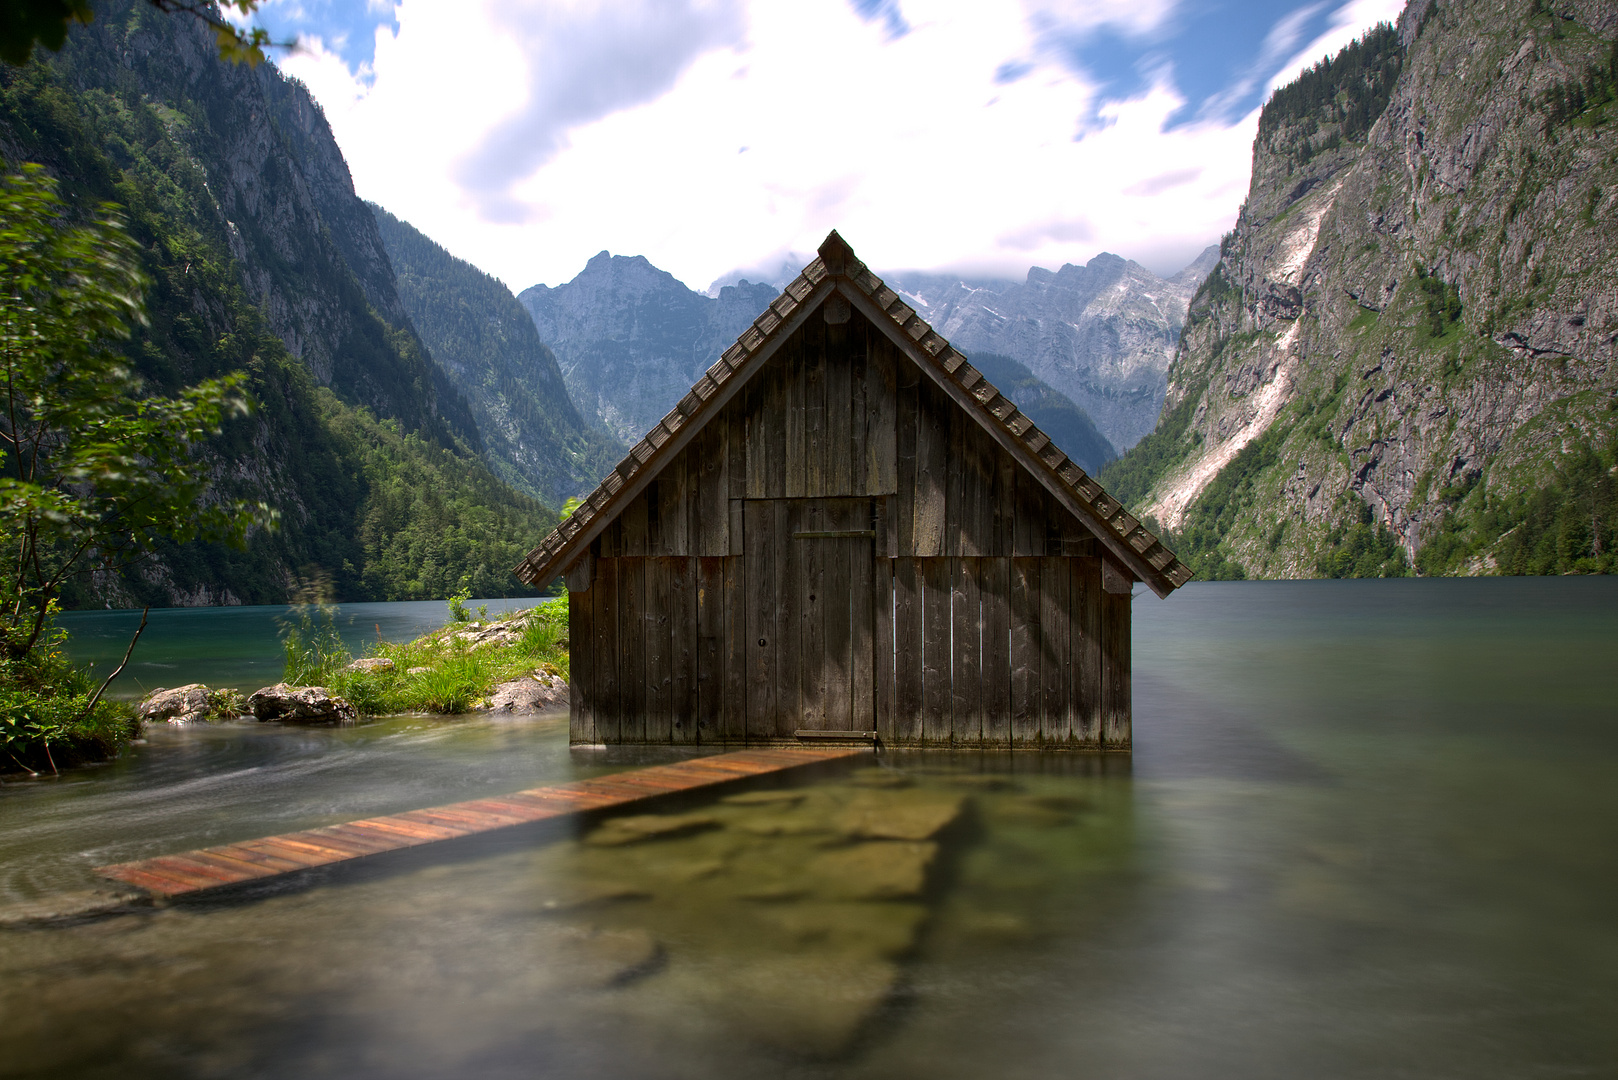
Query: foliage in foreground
97	471
46	723
456	676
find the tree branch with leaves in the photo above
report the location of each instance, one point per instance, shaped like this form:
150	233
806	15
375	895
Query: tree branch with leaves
94	472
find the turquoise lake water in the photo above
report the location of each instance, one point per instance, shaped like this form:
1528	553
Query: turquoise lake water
1369	830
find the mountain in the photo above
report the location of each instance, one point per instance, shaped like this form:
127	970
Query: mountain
632	340
1055	414
261	258
533	436
1405	356
1103	334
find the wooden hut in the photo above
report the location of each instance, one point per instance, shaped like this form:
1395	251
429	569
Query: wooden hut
843	528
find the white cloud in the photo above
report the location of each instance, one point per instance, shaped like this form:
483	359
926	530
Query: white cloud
905	144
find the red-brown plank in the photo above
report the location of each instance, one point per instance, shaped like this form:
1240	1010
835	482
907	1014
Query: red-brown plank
210	868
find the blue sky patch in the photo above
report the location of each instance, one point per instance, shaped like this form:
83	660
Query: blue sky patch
348	27
1220	54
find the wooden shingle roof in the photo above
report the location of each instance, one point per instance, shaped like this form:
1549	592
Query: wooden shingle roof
836	272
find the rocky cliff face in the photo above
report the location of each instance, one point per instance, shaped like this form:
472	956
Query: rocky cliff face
307	247
632	340
261	259
1103	334
1412	328
533	436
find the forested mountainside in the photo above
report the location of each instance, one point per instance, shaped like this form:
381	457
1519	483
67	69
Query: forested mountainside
1103	334
632	340
1405	357
262	259
486	342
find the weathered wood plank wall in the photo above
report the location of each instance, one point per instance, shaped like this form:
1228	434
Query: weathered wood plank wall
843	548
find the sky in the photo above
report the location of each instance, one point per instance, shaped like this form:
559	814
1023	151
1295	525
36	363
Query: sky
722	138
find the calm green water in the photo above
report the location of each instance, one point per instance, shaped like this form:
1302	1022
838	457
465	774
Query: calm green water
1370	830
234	646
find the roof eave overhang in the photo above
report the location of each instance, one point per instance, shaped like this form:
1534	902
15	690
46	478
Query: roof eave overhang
576	545
1050	478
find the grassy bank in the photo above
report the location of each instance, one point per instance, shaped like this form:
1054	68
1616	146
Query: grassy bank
449	670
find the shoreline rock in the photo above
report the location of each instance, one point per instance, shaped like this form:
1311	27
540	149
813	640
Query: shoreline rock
529	694
301	705
181	705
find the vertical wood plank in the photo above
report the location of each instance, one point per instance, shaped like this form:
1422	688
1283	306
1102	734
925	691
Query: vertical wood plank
792	592
1115	671
775	430
995	592
858	419
862	659
935	646
814	408
955	480
612	539
884	702
735	696
794	464
632	639
907	651
606	655
1054	591
762	581
710	726
814	596
881	403
634	522
839	415
711	524
659	613
966	680
756	395
683	648
1005	504
932	470
906	394
674	511
581	699
1029	527
735	450
1084	650
839	607
1027	685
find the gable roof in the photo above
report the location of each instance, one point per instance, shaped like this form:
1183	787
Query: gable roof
836	272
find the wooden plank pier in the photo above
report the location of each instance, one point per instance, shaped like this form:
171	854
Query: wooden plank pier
253	860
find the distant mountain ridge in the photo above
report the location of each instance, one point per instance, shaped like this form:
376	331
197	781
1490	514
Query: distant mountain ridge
534	437
1087	343
631	339
1103	334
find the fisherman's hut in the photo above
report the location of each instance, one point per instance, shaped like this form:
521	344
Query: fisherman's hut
844	530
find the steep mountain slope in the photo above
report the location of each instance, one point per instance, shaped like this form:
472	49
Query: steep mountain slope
1406	353
534	438
1103	333
632	340
262	259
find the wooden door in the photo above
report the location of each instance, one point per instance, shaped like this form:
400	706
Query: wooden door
811	617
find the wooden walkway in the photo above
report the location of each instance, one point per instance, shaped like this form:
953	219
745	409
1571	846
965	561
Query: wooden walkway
252	860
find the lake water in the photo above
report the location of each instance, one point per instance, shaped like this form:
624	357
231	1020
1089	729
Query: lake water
237	646
1370	829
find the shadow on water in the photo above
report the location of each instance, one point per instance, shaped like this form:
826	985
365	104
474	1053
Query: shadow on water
1369	830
